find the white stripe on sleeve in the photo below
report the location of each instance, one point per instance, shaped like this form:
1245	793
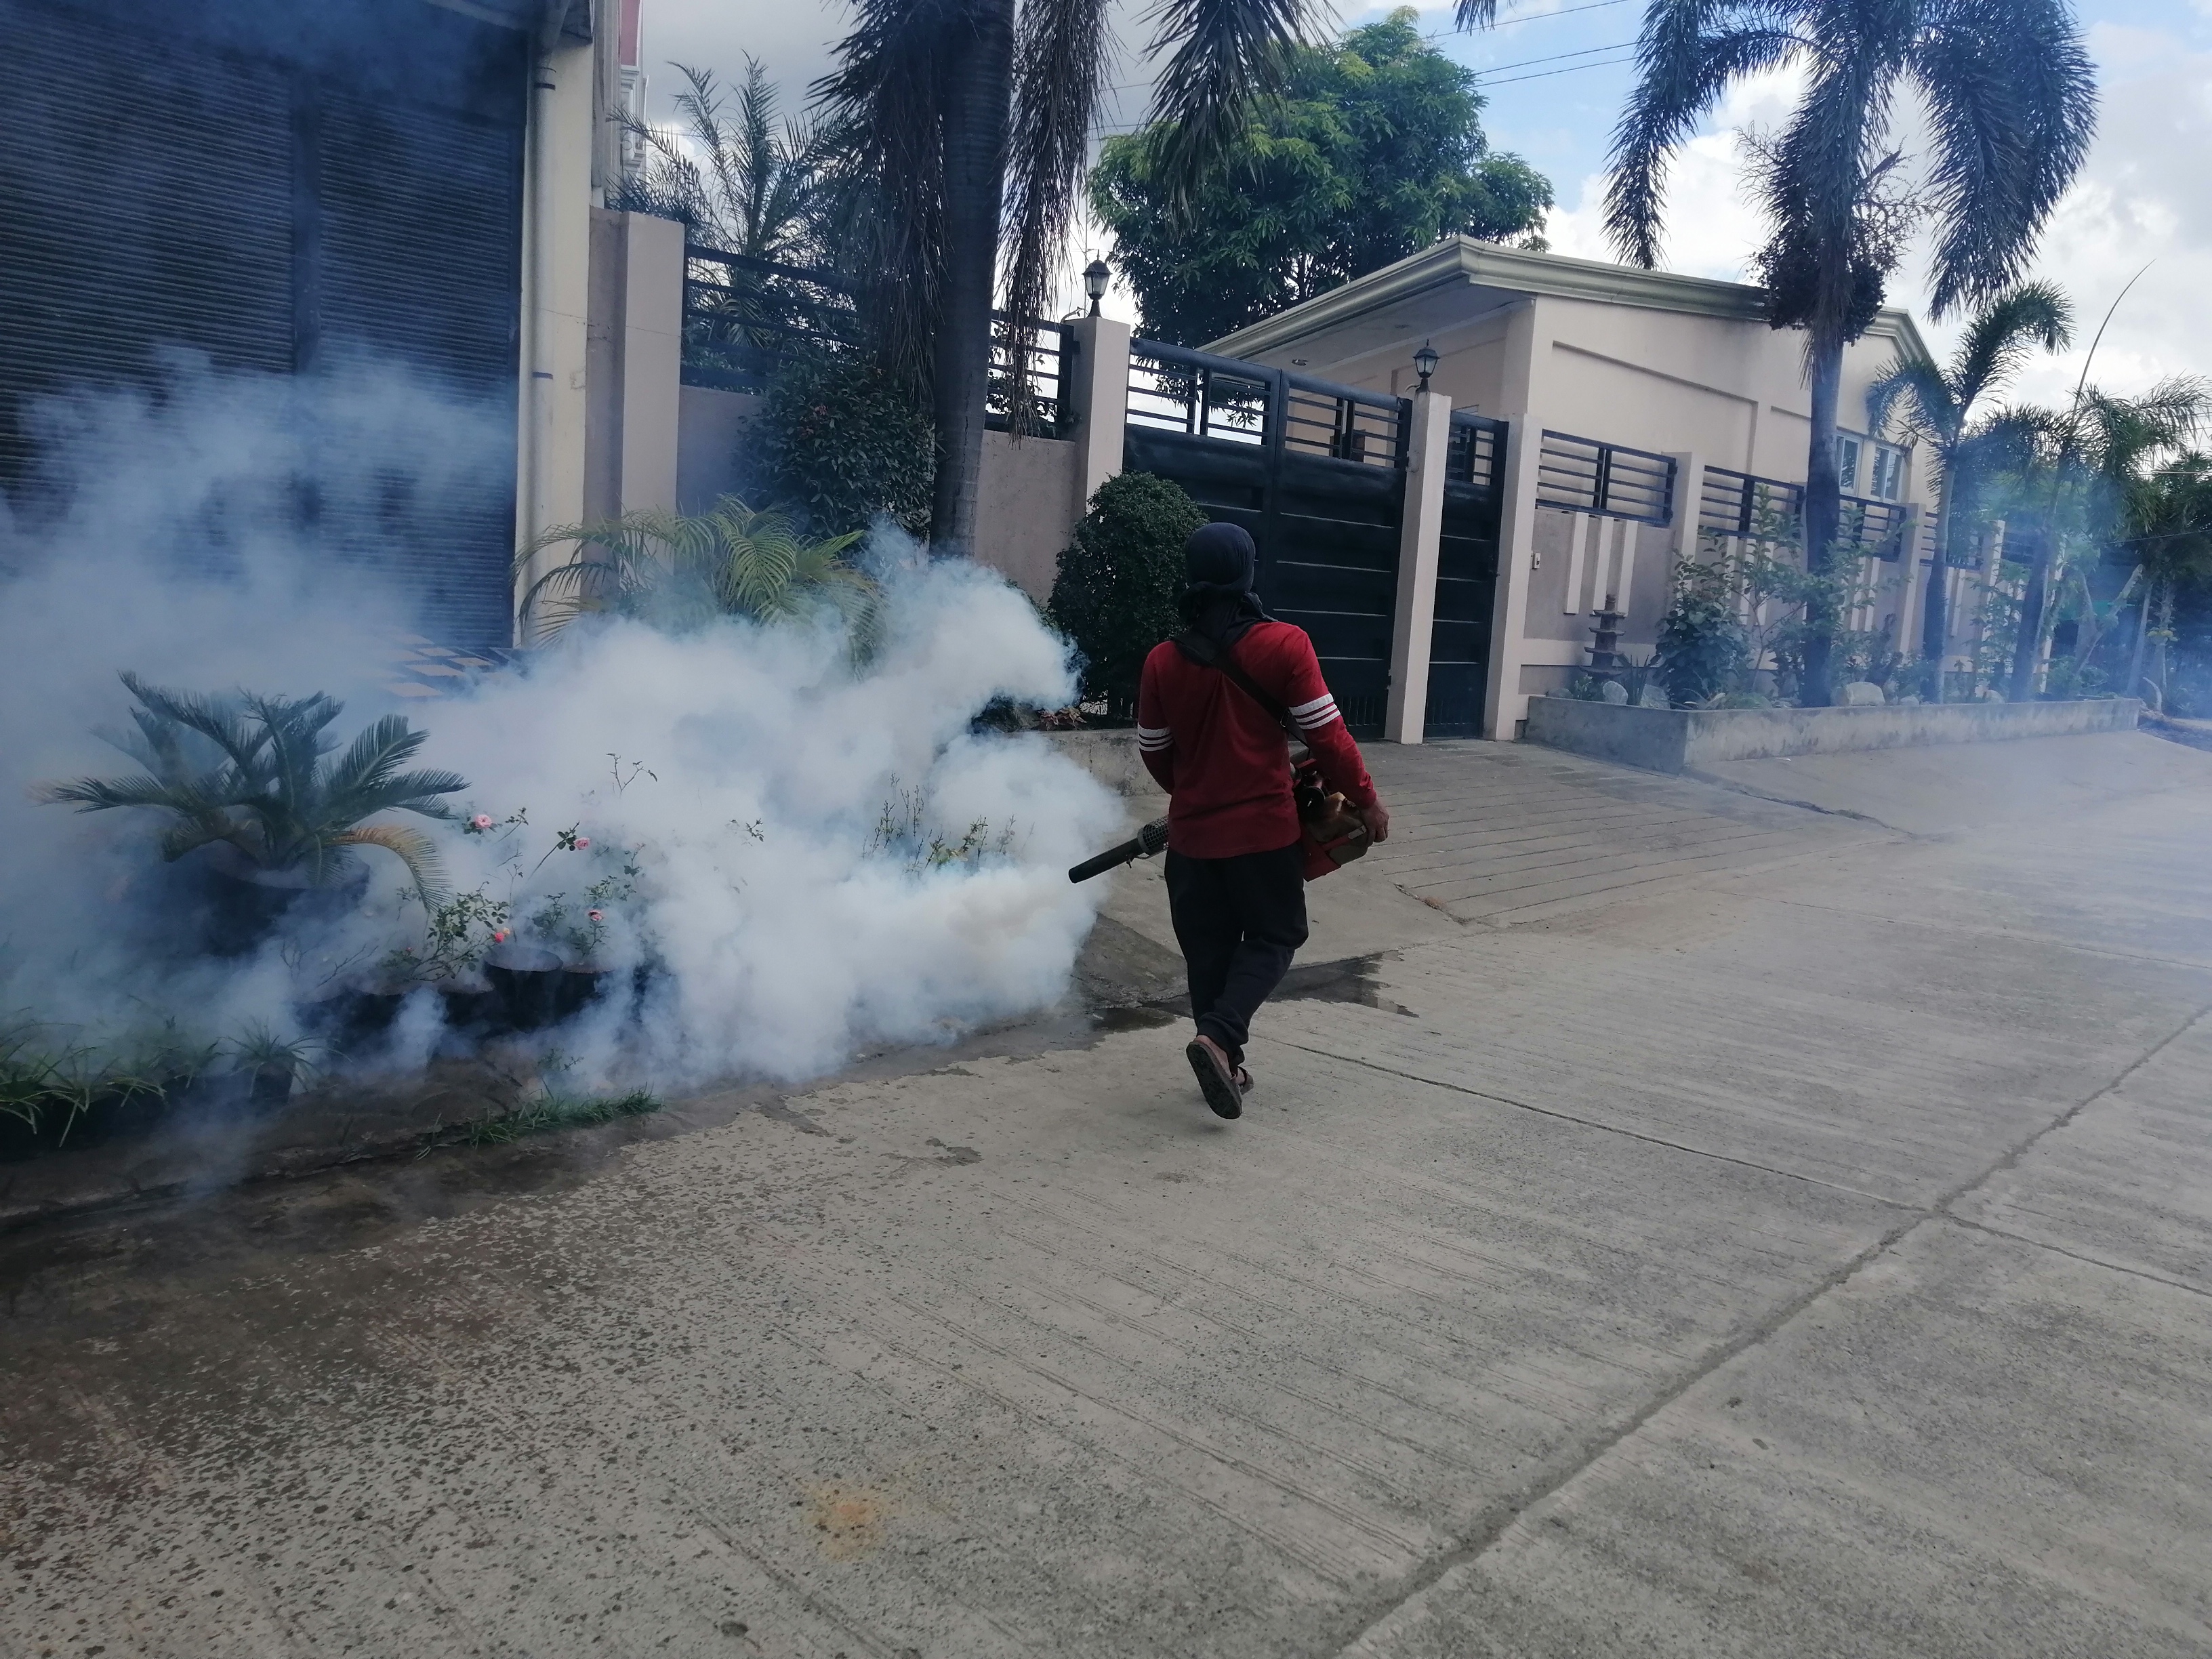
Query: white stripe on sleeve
1153	739
1318	713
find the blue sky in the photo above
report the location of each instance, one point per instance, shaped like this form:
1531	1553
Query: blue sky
1556	74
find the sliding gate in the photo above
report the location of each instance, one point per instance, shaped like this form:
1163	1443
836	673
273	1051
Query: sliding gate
1315	472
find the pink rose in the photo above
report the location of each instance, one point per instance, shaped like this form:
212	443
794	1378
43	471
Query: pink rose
482	821
583	841
597	916
500	938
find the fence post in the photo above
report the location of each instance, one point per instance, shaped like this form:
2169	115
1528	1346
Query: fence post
1099	394
1420	528
1689	503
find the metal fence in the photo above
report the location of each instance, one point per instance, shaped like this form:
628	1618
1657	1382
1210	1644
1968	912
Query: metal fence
1174	389
1740	504
1608	481
1050	349
741	313
1473	452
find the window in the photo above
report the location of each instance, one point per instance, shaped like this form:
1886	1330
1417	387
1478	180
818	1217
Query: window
1847	463
1887	483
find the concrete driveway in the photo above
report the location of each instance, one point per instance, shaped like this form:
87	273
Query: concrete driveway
1684	1222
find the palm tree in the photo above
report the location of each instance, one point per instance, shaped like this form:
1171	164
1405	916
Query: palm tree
739	179
2087	463
2010	101
251	772
980	111
1937	403
679	572
2169	517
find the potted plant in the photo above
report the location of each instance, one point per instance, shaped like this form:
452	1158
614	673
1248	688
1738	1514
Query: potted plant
252	780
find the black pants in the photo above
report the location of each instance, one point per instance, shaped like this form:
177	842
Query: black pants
1239	921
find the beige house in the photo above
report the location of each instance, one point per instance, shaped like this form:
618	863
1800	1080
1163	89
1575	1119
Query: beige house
1666	408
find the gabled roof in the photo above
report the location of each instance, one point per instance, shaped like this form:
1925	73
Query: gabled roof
1461	261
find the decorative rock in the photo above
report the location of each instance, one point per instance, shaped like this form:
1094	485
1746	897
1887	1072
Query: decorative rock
1861	694
1910	699
1613	692
1652	697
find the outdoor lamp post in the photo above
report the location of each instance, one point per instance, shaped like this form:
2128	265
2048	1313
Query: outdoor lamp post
1095	277
1425	363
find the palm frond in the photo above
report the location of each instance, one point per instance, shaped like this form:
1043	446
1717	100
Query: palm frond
1686	55
374	755
2003	334
2012	101
1223	59
1060	63
411	846
883	99
1915	393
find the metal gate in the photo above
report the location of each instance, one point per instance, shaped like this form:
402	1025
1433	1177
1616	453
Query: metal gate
1467	577
1315	472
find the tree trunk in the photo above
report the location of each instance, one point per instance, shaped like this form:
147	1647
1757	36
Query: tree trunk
1823	513
1936	621
2134	687
975	117
2029	645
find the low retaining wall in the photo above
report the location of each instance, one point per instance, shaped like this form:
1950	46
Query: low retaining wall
1687	740
1111	757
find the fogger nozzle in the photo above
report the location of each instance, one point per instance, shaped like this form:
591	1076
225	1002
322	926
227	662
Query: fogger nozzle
1149	840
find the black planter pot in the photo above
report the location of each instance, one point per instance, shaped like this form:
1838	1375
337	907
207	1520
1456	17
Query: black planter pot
527	980
580	985
243	902
472	1004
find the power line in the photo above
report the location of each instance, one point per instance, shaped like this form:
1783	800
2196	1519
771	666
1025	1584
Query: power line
1557	57
1542	74
1446	34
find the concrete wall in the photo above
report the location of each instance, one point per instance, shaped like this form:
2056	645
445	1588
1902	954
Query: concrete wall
710	426
1028	508
1687	740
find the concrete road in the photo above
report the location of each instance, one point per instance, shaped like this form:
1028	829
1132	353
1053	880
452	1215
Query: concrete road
1805	1249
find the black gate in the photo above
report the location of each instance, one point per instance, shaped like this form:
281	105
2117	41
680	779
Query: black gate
1467	577
1315	472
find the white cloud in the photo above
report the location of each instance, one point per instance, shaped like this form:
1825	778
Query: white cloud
2144	196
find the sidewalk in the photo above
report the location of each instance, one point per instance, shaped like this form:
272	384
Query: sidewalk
1808	1251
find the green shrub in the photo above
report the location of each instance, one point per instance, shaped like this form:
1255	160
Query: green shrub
1701	641
841	441
1115	596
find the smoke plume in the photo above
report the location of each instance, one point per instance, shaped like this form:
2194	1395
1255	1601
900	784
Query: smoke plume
771	855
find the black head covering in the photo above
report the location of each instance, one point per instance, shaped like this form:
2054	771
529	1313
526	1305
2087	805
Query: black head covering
1218	599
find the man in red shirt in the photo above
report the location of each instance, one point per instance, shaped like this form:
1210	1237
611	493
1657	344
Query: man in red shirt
1236	869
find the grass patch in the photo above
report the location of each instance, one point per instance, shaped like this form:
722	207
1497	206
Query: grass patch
542	1116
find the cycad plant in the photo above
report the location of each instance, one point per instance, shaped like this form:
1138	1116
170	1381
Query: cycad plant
2009	98
255	773
1935	403
680	571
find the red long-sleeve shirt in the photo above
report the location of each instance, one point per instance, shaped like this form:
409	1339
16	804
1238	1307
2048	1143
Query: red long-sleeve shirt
1223	760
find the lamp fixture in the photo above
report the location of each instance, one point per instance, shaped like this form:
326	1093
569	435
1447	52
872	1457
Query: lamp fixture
1095	278
1425	363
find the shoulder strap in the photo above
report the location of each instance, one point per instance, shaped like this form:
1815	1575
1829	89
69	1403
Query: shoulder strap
1205	653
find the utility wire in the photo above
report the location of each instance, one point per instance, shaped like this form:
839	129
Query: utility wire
1608	63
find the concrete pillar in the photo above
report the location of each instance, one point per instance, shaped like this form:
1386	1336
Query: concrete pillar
1099	395
1527	358
1504	703
556	238
1419	535
652	360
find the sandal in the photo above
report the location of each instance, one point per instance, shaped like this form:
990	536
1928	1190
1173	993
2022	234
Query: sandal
1243	1081
1216	1079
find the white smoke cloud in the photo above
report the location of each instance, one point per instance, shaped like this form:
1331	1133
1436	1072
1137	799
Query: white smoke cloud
798	857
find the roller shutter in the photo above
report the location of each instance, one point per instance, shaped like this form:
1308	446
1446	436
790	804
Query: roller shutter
330	194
